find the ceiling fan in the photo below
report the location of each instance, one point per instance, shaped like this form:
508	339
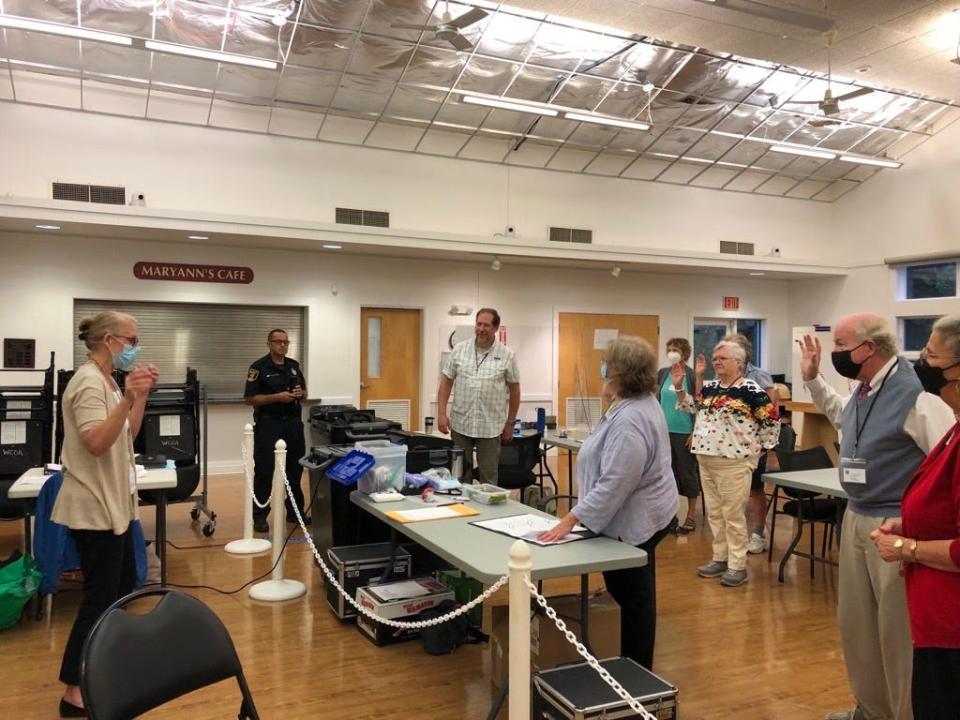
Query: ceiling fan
830	104
449	27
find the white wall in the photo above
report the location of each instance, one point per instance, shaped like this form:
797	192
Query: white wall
191	169
42	276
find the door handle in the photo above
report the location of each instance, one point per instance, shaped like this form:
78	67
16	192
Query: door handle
364	386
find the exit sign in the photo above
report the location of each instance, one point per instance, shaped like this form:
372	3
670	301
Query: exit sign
731	303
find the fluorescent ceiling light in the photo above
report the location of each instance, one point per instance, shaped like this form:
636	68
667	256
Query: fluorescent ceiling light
757	274
805	151
210	54
197	237
47	227
331	246
868	160
509	105
605	120
19	23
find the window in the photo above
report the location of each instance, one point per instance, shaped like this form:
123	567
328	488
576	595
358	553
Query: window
933	280
708	332
219	341
914	332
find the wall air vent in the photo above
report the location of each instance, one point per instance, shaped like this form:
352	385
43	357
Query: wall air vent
105	194
370	218
571	235
736	248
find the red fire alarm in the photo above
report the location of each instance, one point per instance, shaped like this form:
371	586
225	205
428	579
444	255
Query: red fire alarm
731	303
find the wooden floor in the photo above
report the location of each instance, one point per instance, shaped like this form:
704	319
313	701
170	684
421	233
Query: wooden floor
762	651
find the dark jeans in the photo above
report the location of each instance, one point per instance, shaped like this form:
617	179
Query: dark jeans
109	573
635	590
936	683
265	435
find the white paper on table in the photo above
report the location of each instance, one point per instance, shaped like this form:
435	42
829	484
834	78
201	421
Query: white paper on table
13	433
603	337
169	426
400	590
528	527
427	513
18	405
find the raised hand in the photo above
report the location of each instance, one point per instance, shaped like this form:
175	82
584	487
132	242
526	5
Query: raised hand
810	352
700	364
677	374
138	383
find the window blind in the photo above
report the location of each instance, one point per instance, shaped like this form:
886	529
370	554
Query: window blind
219	341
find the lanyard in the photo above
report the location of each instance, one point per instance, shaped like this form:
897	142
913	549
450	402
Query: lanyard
883	384
476	355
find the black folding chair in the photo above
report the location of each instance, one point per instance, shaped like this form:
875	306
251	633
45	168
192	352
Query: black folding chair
134	663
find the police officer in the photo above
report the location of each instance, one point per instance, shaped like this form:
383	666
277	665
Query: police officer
275	386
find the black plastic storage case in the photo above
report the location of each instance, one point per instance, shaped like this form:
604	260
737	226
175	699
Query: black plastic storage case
344	424
428	451
359	565
577	692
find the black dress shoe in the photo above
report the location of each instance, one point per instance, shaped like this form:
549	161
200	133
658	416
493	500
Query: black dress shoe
292	519
261	526
70	710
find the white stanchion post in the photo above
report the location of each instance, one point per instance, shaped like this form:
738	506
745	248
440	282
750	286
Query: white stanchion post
519	668
277	588
248	545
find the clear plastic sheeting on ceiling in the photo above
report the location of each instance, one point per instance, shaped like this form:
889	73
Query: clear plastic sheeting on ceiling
712	117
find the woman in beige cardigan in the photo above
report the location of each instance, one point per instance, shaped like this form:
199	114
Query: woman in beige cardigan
98	498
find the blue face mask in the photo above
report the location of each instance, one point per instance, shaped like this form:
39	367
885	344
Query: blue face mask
125	359
603	369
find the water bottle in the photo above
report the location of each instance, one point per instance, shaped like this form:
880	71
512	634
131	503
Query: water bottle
516	427
541	420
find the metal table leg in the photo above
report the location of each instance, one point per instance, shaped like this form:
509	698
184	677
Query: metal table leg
162	535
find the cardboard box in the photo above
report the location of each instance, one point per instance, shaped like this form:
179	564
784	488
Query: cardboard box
548	648
406	609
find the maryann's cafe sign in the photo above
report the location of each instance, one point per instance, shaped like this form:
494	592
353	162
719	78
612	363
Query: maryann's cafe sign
179	272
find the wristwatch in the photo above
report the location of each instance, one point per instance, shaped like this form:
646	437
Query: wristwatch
913	550
898	544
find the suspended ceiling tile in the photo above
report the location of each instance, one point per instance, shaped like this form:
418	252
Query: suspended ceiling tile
920	20
904	145
584	93
836	190
307	87
593	135
45	89
380	57
609	163
532	154
58	11
382	14
6	84
323	48
712	147
194	24
434	66
184	71
844	137
410	102
635	140
570	160
294	123
833	170
486	148
876	143
394	136
117	17
239	116
454	112
105	59
861	173
739	81
560	47
645	168
807	189
625	101
747	181
681	172
714	177
781	85
533	83
775	185
339	13
344	129
362	95
442	142
746	153
246	81
509	121
35	47
487	75
254	34
507	36
674	142
176	107
114	98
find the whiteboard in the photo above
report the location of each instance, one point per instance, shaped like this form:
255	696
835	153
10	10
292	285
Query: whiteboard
832	377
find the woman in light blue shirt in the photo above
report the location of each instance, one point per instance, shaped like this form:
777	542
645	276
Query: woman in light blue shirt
626	486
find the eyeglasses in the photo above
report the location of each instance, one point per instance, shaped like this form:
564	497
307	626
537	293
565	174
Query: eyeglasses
925	353
721	359
134	341
280	342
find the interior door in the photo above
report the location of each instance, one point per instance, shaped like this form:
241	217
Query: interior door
390	364
583	339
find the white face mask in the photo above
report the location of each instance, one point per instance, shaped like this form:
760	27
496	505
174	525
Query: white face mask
673	357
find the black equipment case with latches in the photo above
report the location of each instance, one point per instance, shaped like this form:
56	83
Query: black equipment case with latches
359	565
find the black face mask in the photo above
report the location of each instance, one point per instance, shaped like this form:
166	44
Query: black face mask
843	362
931	377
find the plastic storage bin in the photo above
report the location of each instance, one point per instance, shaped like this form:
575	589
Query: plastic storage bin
388	472
486	493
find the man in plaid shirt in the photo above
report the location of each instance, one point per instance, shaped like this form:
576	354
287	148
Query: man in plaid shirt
487	398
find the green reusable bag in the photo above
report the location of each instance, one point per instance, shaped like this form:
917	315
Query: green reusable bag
19	580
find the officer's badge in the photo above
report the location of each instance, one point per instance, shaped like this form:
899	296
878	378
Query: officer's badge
252	374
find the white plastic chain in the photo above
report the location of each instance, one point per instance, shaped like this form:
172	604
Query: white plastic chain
249	479
591	660
462	610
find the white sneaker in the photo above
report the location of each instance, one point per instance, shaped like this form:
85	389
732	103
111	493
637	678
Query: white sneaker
757	544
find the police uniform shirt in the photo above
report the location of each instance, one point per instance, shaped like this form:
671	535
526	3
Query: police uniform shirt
267	378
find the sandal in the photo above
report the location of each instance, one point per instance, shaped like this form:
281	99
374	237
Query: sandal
689	525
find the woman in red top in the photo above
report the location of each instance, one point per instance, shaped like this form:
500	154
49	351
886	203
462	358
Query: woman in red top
926	541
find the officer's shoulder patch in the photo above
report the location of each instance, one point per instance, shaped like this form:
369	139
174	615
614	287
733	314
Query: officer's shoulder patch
252	374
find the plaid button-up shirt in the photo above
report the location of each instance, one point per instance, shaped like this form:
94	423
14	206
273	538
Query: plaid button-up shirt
480	397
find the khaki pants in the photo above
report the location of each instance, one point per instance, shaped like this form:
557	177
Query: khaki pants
726	487
874	625
488	456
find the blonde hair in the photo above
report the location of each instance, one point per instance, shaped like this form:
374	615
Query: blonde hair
633	364
736	350
94	327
